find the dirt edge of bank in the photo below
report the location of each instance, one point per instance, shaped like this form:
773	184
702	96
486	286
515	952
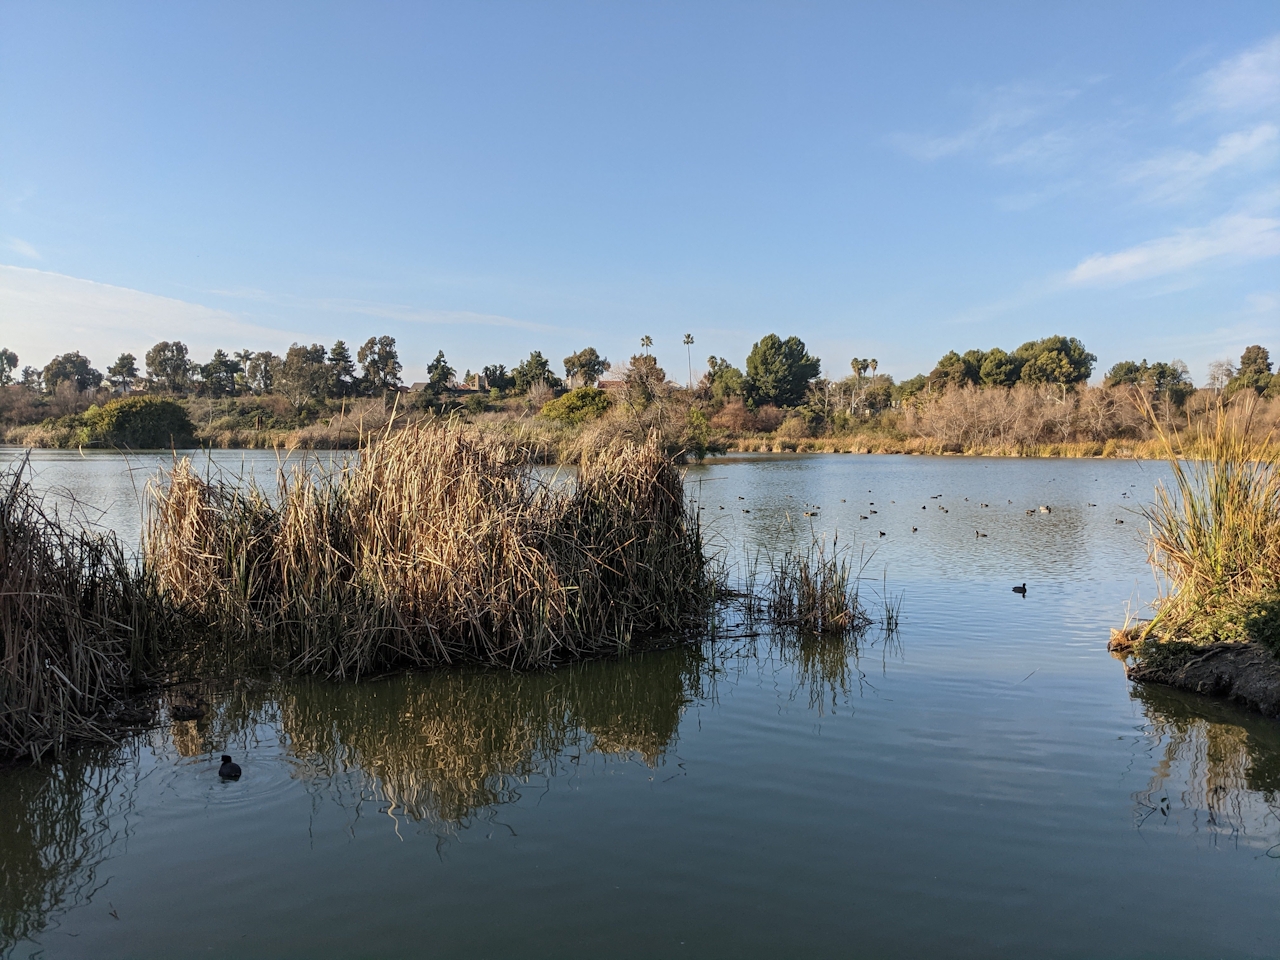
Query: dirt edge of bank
1243	673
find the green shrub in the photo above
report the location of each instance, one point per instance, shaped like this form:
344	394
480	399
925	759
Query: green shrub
139	423
577	406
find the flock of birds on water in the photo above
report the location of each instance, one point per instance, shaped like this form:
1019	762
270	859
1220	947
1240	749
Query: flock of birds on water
813	510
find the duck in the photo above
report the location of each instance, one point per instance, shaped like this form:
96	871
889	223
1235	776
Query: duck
229	770
882	533
862	517
1046	509
913	529
978	533
1022	589
194	710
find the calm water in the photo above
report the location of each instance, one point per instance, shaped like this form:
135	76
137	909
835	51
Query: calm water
987	786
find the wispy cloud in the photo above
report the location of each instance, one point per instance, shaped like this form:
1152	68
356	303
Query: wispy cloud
404	313
48	313
1246	83
23	249
1238	236
398	312
1180	173
1003	116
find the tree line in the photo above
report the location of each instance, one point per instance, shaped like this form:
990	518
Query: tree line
778	372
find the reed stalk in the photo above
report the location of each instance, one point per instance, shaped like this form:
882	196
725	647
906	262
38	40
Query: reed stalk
437	545
817	590
1215	534
76	622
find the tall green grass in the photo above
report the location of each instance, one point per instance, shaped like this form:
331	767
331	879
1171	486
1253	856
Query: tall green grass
1215	533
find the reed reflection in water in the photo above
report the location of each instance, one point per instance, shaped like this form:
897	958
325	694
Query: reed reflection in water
61	823
443	746
1216	770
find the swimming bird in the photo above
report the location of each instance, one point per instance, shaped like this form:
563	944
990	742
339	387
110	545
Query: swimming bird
882	533
1022	589
978	533
1030	512
1093	504
861	517
872	511
1046	510
1119	521
745	510
913	529
188	711
924	508
984	504
742	498
229	770
811	513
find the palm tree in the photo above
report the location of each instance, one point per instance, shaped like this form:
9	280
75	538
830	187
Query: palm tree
646	341
688	349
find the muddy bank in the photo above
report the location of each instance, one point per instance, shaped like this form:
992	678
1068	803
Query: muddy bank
1244	673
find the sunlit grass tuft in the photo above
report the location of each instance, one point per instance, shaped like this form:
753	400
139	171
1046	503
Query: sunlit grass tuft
1215	534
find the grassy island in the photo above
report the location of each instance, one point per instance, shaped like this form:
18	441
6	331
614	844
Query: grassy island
1215	542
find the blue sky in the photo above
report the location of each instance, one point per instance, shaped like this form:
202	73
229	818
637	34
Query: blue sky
891	180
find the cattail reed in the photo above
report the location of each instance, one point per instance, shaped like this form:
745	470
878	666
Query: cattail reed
75	621
816	591
437	545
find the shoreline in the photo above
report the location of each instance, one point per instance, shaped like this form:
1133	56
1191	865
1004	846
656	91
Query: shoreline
1246	673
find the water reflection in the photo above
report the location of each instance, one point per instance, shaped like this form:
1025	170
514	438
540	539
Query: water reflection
61	823
1216	770
444	746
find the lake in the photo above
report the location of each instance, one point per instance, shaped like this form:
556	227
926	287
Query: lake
985	783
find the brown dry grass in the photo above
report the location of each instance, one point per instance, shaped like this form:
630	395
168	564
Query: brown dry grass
75	621
437	545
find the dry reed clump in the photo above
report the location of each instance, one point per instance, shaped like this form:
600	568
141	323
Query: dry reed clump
438	545
76	621
816	591
1215	536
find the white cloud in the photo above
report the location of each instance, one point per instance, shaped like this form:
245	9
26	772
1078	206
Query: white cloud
43	314
404	313
1181	172
24	249
1239	236
1003	114
1245	83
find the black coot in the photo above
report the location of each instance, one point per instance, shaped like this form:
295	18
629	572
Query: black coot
229	770
1022	589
